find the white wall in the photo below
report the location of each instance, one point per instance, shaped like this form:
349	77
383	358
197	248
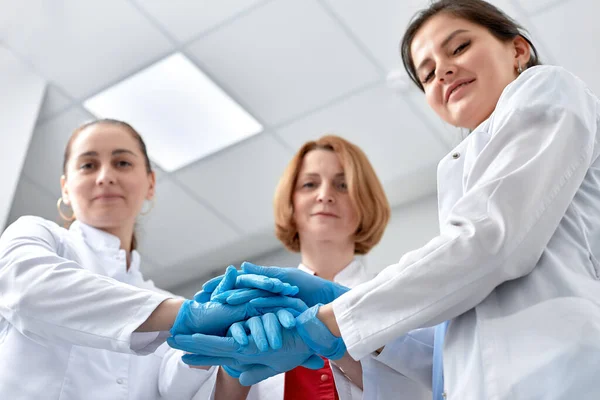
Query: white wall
21	95
410	227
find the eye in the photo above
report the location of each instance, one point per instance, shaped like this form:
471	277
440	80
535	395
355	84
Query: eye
123	164
308	185
86	166
428	77
460	48
343	186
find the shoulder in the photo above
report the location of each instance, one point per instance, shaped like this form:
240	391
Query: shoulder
546	87
32	226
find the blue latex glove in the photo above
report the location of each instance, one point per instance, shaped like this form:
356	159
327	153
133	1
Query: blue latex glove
252	281
212	318
316	335
266	330
214	350
313	290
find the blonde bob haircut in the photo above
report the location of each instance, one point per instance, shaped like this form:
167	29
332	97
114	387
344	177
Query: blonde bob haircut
364	188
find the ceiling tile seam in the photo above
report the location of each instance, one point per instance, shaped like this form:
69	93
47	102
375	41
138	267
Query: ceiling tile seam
181	48
227	22
119	79
203	202
33	69
362	48
329	103
545	55
217	154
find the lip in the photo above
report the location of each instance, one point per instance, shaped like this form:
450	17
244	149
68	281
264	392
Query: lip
325	214
455	85
108	196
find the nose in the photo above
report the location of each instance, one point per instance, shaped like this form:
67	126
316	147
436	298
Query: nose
325	194
106	176
445	71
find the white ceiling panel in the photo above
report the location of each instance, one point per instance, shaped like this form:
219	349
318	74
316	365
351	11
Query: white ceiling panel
284	59
213	263
30	199
534	6
380	24
573	44
379	121
245	183
54	102
448	134
81	45
43	164
185	19
178	227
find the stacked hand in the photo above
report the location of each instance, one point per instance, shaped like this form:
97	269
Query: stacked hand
268	323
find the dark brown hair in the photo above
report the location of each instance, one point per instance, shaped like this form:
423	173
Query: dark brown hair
479	12
115	122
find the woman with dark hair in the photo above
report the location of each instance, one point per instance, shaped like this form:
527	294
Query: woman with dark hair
515	268
77	319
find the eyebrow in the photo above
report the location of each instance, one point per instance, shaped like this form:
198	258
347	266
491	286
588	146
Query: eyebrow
114	153
313	174
444	44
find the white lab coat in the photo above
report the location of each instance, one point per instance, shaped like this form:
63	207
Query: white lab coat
376	374
68	309
516	265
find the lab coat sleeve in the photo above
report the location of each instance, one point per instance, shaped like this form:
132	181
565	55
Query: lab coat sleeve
48	297
542	142
402	370
178	381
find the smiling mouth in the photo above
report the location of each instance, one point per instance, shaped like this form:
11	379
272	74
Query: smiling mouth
323	214
458	87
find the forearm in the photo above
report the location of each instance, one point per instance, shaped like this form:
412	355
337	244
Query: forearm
163	316
228	388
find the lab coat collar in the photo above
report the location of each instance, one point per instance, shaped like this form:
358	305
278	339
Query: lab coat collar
353	274
104	242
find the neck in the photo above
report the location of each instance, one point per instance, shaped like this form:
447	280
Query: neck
326	258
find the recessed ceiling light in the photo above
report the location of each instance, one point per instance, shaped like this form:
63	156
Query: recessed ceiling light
180	112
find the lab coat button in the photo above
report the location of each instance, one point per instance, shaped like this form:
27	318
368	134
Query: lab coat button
324	378
120	381
455	155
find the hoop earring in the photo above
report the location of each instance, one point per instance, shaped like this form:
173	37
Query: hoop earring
519	68
60	212
149	209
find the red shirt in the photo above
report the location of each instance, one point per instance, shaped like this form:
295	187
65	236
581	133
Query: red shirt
310	384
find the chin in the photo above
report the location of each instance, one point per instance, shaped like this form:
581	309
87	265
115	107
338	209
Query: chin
109	220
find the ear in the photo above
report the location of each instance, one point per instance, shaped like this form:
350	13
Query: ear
64	190
152	185
522	51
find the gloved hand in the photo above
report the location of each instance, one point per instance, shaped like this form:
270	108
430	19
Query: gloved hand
316	335
313	290
212	318
214	350
266	330
243	280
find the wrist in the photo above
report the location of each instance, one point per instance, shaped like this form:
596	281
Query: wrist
327	317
